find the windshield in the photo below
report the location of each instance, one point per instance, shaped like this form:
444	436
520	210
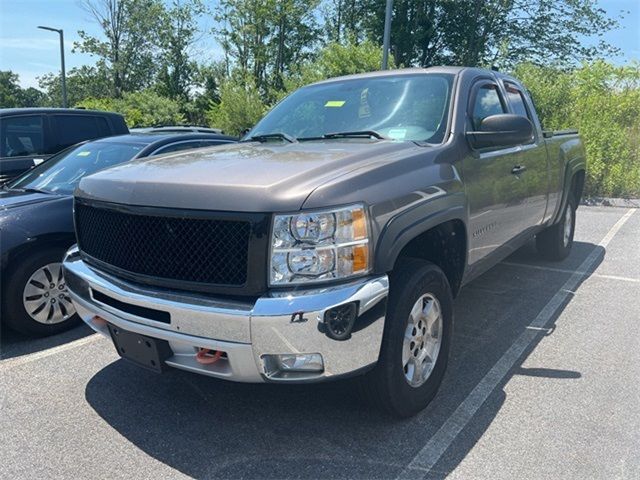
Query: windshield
404	107
62	173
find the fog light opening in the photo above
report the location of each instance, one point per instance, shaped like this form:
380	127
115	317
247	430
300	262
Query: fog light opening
293	363
339	321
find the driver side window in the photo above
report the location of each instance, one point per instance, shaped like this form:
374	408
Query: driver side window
487	102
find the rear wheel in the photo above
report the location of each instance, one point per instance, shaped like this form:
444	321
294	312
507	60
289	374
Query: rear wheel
555	242
416	341
36	299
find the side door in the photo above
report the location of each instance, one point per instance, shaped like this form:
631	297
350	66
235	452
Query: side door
496	196
533	159
22	144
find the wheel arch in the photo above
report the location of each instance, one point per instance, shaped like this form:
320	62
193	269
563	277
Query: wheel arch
439	237
13	256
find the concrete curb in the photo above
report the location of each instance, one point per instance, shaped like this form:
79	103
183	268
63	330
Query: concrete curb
611	202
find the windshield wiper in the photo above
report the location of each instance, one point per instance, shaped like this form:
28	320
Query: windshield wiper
265	137
357	134
31	190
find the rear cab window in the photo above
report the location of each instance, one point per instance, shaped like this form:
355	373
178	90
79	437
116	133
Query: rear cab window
21	136
518	102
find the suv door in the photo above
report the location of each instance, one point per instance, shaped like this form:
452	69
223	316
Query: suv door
496	196
22	144
533	157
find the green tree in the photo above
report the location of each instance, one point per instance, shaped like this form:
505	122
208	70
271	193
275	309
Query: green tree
177	35
140	109
82	82
12	95
129	42
10	90
488	32
266	38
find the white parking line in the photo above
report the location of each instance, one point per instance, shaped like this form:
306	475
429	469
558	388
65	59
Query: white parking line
32	357
564	270
438	444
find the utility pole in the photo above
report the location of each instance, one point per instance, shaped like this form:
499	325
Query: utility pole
387	35
63	75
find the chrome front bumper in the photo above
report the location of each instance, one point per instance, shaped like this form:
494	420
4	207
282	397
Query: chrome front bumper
277	323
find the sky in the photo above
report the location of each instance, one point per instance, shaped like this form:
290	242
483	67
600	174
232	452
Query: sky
31	52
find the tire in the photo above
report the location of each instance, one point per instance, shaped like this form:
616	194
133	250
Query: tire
555	242
55	312
414	282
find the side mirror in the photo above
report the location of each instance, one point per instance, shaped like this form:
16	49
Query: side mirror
503	130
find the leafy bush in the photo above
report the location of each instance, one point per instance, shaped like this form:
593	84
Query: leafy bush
603	102
240	106
140	109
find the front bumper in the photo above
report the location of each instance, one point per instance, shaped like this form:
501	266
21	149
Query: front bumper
282	322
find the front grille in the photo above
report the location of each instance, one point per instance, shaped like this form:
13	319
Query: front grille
164	246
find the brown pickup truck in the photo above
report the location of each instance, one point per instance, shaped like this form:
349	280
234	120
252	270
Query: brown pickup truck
331	241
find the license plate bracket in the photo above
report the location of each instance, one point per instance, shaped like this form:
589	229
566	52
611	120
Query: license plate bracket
146	352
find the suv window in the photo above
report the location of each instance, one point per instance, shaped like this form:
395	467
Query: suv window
77	128
516	100
212	143
176	147
487	102
21	136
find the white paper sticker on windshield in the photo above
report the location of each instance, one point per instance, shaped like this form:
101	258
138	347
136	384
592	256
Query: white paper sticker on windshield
83	154
335	103
398	133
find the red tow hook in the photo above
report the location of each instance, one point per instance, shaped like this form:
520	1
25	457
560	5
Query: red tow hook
206	356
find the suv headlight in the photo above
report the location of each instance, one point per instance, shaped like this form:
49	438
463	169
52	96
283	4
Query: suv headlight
317	246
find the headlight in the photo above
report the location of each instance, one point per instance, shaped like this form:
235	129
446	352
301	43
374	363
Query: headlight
320	245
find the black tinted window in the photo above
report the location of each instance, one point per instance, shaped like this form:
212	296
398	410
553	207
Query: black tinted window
21	135
175	147
486	103
76	128
516	100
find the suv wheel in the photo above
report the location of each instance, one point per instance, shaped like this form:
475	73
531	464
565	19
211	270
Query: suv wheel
416	341
37	300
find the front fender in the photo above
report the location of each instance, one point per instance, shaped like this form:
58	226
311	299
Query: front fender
413	221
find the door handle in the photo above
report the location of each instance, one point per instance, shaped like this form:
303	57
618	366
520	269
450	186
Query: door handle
518	169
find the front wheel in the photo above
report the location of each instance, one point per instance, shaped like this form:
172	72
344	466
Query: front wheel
35	297
416	341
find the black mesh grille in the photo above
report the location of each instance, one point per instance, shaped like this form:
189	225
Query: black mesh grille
199	250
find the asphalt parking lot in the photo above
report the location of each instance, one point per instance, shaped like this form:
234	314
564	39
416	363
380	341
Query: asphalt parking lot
542	383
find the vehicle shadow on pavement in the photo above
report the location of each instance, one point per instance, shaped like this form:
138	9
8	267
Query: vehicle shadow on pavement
209	428
14	344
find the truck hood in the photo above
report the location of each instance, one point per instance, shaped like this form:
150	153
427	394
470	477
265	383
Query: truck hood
246	177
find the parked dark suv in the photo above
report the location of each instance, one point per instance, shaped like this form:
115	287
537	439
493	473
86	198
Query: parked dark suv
28	136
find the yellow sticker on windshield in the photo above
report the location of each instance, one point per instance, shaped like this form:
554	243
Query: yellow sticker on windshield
335	103
83	154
